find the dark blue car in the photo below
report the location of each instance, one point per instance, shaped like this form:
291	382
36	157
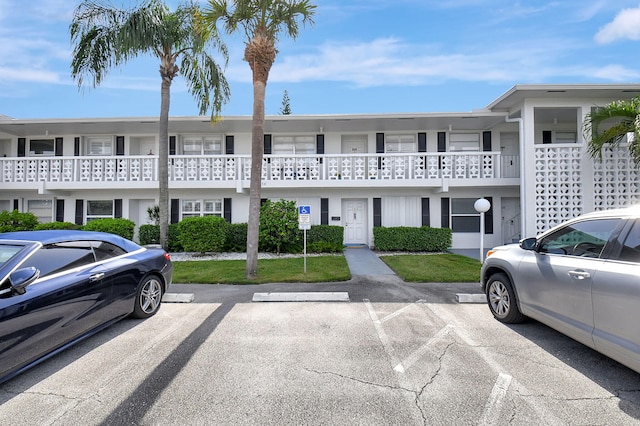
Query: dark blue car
58	287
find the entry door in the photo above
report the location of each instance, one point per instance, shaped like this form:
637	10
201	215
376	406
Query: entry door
511	220
354	213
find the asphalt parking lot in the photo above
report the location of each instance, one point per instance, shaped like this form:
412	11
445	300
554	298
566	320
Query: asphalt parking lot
394	353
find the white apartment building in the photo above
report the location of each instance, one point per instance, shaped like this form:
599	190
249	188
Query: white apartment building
525	152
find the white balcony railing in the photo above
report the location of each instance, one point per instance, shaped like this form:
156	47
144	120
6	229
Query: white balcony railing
415	166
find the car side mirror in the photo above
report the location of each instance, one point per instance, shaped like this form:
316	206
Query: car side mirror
21	278
529	243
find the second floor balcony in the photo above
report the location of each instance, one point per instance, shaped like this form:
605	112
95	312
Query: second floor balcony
141	171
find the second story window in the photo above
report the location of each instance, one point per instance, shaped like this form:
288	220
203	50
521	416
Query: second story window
283	145
41	147
99	145
400	143
464	142
201	145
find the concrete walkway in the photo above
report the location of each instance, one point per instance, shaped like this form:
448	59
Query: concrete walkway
362	261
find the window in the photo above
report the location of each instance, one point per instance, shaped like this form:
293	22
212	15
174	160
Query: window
464	217
283	145
631	247
464	142
99	145
586	238
400	143
104	250
202	145
58	257
41	147
566	137
43	209
196	208
98	209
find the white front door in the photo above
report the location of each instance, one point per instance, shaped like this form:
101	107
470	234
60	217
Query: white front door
354	213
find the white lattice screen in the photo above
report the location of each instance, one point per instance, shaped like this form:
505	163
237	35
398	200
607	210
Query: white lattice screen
558	185
615	179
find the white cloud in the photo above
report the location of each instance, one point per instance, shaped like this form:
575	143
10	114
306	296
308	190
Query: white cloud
617	73
626	25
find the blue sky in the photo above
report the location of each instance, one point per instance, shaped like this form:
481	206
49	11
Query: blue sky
360	56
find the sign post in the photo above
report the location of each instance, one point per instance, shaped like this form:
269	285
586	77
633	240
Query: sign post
304	223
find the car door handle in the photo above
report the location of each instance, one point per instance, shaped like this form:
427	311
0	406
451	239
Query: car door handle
96	277
580	275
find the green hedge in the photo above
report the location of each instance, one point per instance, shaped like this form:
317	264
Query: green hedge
118	226
203	234
149	234
17	221
236	240
404	238
324	239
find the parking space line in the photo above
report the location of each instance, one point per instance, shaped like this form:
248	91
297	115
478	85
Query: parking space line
382	335
399	311
496	397
418	353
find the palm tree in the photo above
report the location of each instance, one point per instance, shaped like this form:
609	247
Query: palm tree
611	125
262	22
106	37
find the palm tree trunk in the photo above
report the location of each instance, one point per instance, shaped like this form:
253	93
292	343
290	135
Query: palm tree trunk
163	161
257	151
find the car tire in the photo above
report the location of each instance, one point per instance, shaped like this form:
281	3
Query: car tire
501	299
148	297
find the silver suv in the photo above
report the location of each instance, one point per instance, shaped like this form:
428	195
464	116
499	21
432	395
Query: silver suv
581	278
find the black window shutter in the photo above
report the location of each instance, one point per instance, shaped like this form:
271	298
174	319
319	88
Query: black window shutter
227	209
76	146
119	145
175	211
57	146
172	148
488	217
546	136
379	147
79	212
426	217
379	143
324	211
262	201
377	212
22	147
422	142
16	204
117	208
486	141
59	210
442	142
444	213
228	145
267	144
319	144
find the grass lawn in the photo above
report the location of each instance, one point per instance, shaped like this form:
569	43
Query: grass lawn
435	268
410	267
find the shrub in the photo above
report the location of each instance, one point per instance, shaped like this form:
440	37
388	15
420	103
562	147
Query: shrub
118	226
149	234
324	239
203	234
236	237
403	238
279	227
57	225
17	221
174	244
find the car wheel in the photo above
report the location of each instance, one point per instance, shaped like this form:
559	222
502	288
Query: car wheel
502	300
148	297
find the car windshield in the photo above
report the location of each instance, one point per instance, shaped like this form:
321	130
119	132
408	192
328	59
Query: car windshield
7	252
